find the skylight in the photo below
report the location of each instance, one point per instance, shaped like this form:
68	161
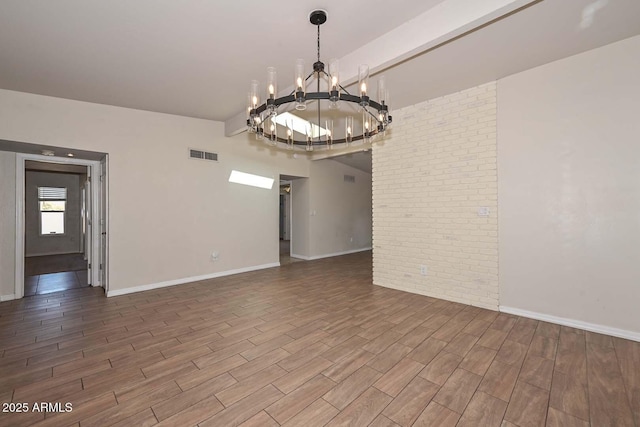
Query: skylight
250	179
299	125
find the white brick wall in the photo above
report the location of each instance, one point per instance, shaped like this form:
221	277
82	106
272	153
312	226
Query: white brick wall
434	170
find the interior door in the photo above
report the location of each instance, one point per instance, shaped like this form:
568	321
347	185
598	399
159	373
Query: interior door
281	217
83	218
88	224
104	241
287	217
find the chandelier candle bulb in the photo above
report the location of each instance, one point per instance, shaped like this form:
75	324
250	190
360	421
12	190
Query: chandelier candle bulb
382	90
290	135
309	139
329	129
272	82
363	83
253	93
334	72
366	125
272	90
334	83
299	75
252	127
273	135
299	78
258	130
349	129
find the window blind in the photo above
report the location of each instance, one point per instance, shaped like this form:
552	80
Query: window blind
52	193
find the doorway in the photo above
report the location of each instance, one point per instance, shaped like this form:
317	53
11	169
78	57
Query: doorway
55	256
285	221
290	217
61	224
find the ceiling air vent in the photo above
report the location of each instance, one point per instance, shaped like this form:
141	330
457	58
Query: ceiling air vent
349	178
203	155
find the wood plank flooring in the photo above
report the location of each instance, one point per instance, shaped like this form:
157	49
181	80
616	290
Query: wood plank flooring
308	344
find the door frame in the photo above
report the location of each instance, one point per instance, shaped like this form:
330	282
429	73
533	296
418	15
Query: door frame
103	215
94	166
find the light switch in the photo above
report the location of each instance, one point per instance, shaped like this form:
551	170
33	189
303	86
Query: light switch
483	211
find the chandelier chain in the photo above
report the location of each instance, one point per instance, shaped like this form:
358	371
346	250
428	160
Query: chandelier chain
318	42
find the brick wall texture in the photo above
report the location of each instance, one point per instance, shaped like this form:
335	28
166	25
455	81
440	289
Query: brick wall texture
431	175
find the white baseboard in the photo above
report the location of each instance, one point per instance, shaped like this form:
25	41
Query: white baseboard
311	258
578	324
151	286
7	297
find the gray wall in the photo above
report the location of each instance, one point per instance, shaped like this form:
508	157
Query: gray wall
7	223
342	210
331	216
69	242
569	188
300	217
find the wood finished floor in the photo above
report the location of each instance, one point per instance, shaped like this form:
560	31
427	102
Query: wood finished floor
308	344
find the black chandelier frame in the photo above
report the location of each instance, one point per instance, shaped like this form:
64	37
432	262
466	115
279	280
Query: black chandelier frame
255	122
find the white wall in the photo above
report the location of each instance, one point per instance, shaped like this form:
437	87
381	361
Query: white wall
330	216
430	177
7	223
69	242
339	212
167	212
569	181
300	217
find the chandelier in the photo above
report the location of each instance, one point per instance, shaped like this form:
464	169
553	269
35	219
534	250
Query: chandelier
283	128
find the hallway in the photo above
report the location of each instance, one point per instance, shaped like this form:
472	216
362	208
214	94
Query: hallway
53	273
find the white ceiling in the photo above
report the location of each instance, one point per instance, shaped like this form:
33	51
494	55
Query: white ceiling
544	32
196	58
190	57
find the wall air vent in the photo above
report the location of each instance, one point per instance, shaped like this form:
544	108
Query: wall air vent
203	155
349	178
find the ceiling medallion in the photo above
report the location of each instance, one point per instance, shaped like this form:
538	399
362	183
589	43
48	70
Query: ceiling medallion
305	129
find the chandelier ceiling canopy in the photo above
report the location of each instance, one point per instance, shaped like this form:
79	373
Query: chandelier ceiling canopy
317	128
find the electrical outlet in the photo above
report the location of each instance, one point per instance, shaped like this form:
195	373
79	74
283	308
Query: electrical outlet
483	211
215	256
423	270
351	240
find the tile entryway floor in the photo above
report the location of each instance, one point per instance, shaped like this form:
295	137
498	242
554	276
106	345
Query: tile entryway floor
54	282
54	273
